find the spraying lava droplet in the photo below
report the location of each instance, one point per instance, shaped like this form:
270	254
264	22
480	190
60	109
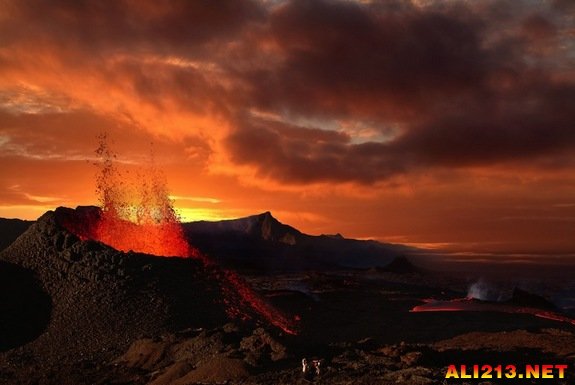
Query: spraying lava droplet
141	218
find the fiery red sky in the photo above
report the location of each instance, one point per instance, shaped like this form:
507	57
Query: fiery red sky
445	124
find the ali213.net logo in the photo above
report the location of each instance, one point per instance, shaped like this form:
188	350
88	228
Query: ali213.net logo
547	371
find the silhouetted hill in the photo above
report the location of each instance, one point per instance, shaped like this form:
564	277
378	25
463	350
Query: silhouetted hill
262	243
10	229
400	265
526	299
261	227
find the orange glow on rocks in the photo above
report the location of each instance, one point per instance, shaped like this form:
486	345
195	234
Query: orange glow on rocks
166	239
142	219
137	217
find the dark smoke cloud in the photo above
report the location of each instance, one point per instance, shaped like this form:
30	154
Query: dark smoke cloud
464	84
344	59
302	155
175	26
461	97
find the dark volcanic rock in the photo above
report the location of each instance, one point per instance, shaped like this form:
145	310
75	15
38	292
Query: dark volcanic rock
101	299
526	299
261	346
400	265
221	355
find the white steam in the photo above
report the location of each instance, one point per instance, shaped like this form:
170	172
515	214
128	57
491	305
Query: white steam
486	291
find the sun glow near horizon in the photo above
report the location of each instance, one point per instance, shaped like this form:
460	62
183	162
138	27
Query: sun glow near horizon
191	214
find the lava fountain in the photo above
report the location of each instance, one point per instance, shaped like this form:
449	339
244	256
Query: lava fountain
140	217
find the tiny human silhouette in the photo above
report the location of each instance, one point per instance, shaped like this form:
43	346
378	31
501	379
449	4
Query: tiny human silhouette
311	370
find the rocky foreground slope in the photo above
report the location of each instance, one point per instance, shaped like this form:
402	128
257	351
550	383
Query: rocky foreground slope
75	312
88	297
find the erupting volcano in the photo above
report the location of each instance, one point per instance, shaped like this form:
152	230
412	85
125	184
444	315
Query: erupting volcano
140	217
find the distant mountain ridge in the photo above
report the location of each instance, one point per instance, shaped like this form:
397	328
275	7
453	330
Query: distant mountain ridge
262	243
263	226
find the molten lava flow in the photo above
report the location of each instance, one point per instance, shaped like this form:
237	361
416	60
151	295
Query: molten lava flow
470	304
142	218
248	297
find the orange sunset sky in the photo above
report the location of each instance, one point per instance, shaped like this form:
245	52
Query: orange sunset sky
447	124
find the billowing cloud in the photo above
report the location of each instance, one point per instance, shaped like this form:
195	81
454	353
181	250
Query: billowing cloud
276	95
108	27
462	83
459	96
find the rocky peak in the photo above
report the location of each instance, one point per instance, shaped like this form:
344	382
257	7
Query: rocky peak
401	265
269	228
524	298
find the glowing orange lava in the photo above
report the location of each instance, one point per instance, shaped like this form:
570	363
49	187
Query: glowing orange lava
141	218
137	216
470	304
